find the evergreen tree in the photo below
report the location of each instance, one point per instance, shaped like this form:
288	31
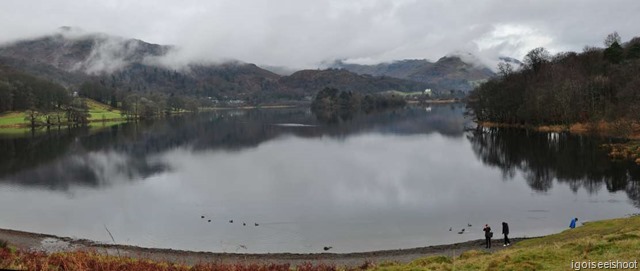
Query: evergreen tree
614	53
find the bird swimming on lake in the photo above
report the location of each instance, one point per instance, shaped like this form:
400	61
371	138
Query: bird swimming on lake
256	224
450	229
201	216
468	225
231	221
327	248
209	221
461	232
244	224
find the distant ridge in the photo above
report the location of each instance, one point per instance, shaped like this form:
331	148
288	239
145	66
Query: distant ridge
448	73
132	65
72	57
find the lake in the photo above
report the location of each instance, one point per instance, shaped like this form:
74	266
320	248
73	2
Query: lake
389	180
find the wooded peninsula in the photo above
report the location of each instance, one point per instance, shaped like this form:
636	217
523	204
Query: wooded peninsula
598	85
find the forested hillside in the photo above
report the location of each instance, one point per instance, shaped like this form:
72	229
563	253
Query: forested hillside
448	73
312	81
21	91
108	68
598	84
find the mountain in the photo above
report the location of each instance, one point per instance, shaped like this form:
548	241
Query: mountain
448	73
511	61
280	70
129	66
397	69
315	80
90	54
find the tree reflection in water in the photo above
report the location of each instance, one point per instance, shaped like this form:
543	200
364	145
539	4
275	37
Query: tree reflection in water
576	160
59	159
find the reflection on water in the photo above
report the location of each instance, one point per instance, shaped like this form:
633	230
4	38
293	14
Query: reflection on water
543	158
63	158
394	179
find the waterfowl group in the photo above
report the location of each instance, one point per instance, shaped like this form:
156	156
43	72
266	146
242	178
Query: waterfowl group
461	231
231	221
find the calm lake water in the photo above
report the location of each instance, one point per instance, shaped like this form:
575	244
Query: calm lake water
397	179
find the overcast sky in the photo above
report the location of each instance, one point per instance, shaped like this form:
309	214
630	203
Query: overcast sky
300	33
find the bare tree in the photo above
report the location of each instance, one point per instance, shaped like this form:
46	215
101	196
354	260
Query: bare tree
536	57
505	69
33	117
611	39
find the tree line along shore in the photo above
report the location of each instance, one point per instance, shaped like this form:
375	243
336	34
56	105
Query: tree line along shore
29	101
596	91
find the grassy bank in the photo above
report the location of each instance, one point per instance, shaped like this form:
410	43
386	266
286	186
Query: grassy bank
93	127
616	239
98	112
607	240
14	122
10	119
625	151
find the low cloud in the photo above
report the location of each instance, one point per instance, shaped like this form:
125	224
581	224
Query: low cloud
108	55
303	34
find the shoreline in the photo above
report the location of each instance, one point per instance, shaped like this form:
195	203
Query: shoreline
51	244
98	121
602	129
629	150
595	241
447	101
281	106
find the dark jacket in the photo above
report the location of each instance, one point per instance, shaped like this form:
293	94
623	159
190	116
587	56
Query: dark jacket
505	228
487	232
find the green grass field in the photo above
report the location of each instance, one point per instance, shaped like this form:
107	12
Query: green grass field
100	111
97	112
12	118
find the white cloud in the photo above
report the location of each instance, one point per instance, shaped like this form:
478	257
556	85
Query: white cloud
305	33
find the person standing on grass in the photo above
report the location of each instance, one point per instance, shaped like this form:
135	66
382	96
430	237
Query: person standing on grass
572	225
505	231
487	236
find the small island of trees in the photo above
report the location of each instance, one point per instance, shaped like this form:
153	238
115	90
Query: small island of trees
332	104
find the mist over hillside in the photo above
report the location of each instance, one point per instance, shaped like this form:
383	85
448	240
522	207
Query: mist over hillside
71	57
453	72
